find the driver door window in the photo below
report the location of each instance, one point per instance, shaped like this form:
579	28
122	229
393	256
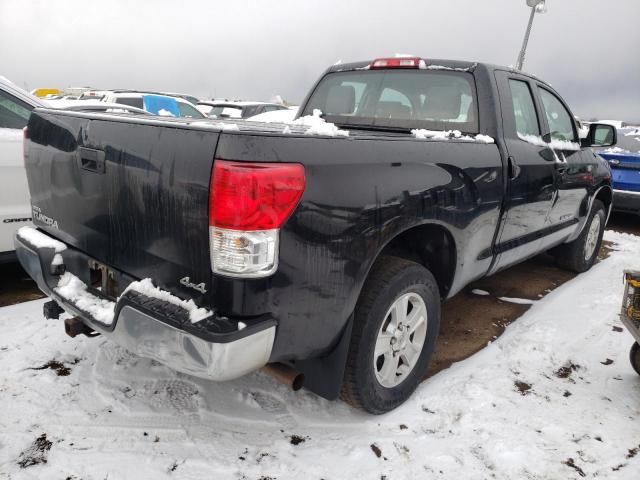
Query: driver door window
560	121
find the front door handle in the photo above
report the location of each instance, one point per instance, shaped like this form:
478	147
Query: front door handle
513	168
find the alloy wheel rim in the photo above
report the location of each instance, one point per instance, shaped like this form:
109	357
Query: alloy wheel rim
592	237
400	340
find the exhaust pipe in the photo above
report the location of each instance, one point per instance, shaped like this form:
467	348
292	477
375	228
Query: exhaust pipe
285	375
75	326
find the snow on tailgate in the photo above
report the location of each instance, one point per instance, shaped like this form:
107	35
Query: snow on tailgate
541	402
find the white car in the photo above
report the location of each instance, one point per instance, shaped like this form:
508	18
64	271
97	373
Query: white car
15	108
277	116
171	106
236	109
15	209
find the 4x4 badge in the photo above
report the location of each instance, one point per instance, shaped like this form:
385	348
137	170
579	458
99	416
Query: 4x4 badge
186	281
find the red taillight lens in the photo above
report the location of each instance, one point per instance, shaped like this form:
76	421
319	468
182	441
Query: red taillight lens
254	196
398	62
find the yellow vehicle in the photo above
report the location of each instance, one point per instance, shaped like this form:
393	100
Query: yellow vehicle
43	92
630	314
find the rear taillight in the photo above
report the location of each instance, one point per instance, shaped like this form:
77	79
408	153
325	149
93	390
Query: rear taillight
248	203
25	137
397	62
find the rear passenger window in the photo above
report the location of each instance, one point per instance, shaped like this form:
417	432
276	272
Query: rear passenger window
524	110
559	119
13	113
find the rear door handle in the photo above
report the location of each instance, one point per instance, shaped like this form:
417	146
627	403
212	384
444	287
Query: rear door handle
513	168
91	159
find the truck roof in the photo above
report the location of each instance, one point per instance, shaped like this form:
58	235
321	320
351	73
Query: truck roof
435	64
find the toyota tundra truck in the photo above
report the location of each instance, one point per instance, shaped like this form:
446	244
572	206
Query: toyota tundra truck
322	248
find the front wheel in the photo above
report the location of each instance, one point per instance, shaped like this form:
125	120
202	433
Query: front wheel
634	356
395	328
580	255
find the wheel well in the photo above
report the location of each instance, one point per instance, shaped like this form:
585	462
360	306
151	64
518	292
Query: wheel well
605	195
431	246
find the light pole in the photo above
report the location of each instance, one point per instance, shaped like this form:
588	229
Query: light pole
537	6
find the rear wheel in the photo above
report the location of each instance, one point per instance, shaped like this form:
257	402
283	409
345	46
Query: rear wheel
634	356
581	254
396	325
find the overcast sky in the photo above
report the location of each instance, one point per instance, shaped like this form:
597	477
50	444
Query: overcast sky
254	49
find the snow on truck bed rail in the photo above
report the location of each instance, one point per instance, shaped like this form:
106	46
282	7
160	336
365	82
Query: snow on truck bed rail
443	135
318	125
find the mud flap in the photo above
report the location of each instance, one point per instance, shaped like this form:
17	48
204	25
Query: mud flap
323	376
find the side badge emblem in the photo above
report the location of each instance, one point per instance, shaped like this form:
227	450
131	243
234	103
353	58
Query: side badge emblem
200	287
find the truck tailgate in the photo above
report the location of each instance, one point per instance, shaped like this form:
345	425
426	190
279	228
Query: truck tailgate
130	194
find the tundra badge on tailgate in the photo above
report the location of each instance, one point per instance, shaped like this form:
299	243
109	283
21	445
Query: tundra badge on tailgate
186	281
41	217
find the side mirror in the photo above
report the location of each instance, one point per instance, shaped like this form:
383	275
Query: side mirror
600	135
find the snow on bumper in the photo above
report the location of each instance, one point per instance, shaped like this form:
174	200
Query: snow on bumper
151	322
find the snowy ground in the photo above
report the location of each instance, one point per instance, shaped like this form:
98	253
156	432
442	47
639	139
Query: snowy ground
554	398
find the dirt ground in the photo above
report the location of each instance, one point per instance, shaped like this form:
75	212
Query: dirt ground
624	222
469	321
16	286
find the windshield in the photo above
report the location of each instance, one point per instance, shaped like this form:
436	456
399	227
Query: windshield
407	99
226	111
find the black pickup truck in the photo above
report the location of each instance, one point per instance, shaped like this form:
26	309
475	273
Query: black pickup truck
324	247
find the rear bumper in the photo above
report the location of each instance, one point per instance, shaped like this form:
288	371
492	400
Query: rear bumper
213	348
626	201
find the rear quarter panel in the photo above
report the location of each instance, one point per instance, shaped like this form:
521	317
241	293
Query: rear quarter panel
361	192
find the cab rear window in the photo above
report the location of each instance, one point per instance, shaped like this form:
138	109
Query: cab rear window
435	100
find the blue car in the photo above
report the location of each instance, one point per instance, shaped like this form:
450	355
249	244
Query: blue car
624	160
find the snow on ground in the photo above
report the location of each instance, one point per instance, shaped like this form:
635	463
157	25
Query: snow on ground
553	397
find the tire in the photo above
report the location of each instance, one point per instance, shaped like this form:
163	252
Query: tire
580	255
367	383
634	356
